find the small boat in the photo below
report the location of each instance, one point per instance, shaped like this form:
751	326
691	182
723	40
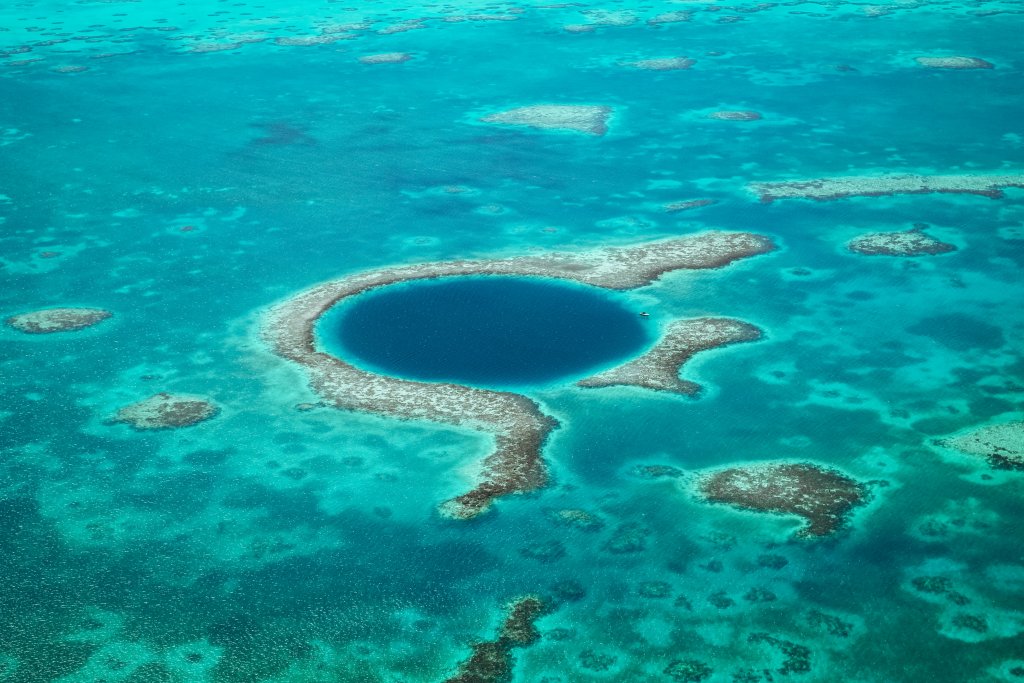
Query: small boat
645	314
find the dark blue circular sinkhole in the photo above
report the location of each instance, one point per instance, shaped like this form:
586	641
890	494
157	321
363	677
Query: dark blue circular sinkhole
492	331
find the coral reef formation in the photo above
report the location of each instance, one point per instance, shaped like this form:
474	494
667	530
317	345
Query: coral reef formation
735	115
826	189
492	661
50	320
167	411
954	62
519	427
1001	445
386	58
590	119
823	497
662	64
658	369
914	242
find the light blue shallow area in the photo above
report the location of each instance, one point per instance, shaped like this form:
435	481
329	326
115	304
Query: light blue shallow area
188	191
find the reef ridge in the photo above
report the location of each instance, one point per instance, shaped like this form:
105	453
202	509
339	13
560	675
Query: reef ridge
518	425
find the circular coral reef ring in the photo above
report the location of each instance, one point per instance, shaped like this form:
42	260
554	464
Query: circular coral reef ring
51	320
518	425
823	497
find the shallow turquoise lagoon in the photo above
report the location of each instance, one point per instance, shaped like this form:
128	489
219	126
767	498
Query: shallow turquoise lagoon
191	167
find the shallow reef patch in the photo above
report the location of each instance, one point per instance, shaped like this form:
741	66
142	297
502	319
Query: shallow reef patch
1000	445
167	411
386	58
579	118
823	497
913	242
956	62
50	320
493	661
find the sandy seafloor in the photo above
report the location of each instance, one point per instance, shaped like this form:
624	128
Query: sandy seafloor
273	544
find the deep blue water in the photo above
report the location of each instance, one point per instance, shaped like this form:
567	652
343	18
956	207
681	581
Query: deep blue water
488	331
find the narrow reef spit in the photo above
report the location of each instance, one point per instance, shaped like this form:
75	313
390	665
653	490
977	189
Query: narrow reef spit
826	189
823	497
590	119
167	411
492	661
50	320
517	423
658	369
913	242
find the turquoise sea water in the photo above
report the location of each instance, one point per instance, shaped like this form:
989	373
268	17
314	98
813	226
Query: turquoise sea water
187	191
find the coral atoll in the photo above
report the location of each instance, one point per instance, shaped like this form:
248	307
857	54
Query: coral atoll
519	427
49	320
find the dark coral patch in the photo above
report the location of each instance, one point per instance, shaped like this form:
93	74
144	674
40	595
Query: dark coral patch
797	658
688	671
492	661
821	496
167	411
914	242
